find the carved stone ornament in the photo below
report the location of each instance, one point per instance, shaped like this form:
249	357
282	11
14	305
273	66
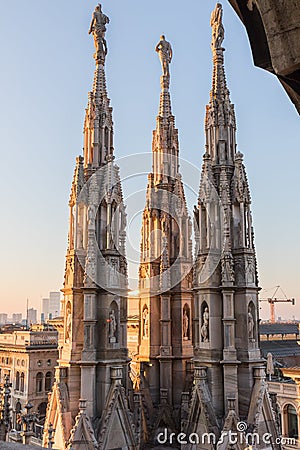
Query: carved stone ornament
164	51
227	267
98	29
185	324
205	326
145	318
112	329
250	326
217	26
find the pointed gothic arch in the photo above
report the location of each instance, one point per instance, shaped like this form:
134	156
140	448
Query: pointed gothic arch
106	139
114	226
101	225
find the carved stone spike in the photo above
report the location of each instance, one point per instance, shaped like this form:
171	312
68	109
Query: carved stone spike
217	26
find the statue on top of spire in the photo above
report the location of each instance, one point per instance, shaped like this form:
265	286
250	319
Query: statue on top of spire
98	29
217	26
164	51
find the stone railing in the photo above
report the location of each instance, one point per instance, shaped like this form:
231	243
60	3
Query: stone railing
284	389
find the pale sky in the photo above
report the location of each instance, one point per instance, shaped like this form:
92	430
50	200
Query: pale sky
47	71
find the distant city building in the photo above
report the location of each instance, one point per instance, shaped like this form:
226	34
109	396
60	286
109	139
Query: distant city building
45	308
29	358
286	394
16	318
54	304
3	319
31	316
50	306
281	340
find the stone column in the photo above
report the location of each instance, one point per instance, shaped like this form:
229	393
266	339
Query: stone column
230	362
165	357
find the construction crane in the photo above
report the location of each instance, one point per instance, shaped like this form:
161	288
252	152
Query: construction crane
272	300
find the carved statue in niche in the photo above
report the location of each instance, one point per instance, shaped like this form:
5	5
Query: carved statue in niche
250	326
250	270
227	267
270	366
112	326
91	215
185	324
145	318
114	272
239	270
68	323
205	323
143	272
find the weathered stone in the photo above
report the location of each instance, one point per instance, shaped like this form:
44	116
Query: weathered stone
94	306
165	346
273	28
226	299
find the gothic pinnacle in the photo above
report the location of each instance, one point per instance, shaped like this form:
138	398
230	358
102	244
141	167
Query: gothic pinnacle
164	50
220	125
219	88
98	29
98	125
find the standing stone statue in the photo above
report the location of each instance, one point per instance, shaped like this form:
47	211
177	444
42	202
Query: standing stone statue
217	26
204	328
98	29
270	365
68	324
146	323
185	324
164	51
112	326
250	326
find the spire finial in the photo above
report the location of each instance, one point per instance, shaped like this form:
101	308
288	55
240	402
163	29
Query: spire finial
217	27
98	29
219	80
165	54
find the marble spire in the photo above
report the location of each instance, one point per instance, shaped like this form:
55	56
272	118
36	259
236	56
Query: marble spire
165	146
220	123
98	124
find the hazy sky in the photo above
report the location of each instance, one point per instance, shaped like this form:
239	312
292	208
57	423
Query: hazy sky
47	71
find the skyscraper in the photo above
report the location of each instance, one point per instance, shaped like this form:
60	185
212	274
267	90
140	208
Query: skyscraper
54	304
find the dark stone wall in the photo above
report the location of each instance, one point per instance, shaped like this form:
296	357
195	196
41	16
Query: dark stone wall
273	28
